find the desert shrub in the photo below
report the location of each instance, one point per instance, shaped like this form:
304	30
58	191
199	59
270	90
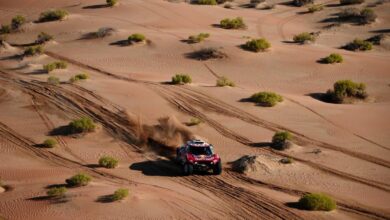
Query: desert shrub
257	45
108	162
181	79
364	16
333	58
207	53
351	2
5	29
314	8
287	160
194	121
53	15
359	45
224	81
235	23
50	143
349	14
317	201
304	38
84	124
103	32
78	77
344	89
136	38
56	192
17	21
43	38
120	194
268	99
206	2
78	180
367	16
53	80
280	138
111	2
198	38
33	50
55	65
228	6
300	3
378	39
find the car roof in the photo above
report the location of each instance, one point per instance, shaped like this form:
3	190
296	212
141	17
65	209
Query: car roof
197	143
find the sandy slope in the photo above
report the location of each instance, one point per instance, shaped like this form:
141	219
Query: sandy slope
353	163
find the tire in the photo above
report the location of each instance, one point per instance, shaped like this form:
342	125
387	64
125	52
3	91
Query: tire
188	169
217	169
178	155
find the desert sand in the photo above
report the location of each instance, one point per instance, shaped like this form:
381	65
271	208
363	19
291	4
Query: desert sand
342	150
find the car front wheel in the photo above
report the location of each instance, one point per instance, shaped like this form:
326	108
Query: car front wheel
217	168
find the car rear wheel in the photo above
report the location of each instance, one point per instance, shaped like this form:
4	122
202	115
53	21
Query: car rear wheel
188	169
217	168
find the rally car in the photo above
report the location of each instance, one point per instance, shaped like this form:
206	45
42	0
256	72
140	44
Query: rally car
197	155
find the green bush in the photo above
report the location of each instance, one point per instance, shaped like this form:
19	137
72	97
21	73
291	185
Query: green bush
17	22
198	38
53	15
50	143
333	58
317	201
55	65
206	2
257	45
367	16
53	80
314	8
224	81
43	38
78	77
120	194
108	162
359	45
33	50
350	2
136	38
56	192
111	2
84	124
304	38
181	79
343	89
5	29
194	121
287	160
280	138
78	180
268	99
300	3
235	23
364	16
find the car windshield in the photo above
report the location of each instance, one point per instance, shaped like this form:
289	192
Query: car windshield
201	150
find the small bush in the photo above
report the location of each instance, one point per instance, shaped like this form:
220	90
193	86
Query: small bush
359	45
56	192
53	15
314	8
257	45
350	2
84	124
224	81
5	29
300	3
108	162
235	23
304	38
78	77
55	65
280	138
111	2
367	16
206	2
120	194
103	32
78	180
267	99
136	38
333	58
344	89
33	50
364	16
17	22
207	53
43	38
194	121
53	80
198	38
181	79
50	143
317	202
287	160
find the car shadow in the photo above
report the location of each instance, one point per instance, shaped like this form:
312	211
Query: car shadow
157	168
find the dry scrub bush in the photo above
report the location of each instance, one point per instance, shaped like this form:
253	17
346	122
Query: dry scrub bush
317	202
268	99
108	162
